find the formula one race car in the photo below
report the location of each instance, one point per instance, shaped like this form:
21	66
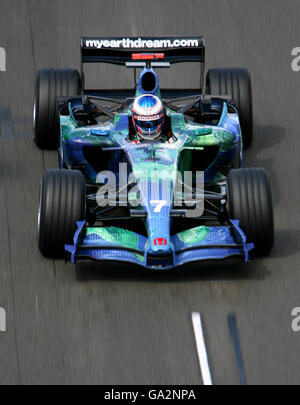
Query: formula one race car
147	175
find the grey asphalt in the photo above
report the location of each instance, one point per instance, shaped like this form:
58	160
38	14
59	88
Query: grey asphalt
113	324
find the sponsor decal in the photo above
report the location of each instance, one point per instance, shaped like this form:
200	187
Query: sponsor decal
148	118
147	56
141	43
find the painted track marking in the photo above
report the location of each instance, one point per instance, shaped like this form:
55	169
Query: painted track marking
201	348
232	326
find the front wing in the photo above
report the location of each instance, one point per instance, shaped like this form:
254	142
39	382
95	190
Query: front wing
121	245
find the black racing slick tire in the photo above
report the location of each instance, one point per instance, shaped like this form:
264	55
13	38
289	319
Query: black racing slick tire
62	203
236	83
250	201
50	84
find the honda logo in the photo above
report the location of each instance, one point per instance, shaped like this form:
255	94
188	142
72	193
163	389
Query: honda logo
160	241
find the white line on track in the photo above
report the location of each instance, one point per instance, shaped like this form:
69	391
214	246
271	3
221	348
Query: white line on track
201	349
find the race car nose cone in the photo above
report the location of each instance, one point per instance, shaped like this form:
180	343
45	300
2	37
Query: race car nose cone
160	253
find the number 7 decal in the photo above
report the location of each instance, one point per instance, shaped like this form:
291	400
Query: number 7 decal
159	204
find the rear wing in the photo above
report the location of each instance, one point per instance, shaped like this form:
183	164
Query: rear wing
119	50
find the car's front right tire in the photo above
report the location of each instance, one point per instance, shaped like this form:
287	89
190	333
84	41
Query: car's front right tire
62	203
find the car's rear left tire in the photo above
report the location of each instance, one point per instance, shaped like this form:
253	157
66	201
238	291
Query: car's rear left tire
50	84
250	201
62	203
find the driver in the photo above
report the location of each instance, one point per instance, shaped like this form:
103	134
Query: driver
148	116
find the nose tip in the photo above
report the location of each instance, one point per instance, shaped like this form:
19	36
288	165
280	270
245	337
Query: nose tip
160	244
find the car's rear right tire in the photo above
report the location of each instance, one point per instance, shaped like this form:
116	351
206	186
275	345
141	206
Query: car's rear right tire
62	203
250	201
50	84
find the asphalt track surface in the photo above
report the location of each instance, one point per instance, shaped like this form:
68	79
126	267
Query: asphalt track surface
116	324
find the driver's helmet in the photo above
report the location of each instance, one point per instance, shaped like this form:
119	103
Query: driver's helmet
148	116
